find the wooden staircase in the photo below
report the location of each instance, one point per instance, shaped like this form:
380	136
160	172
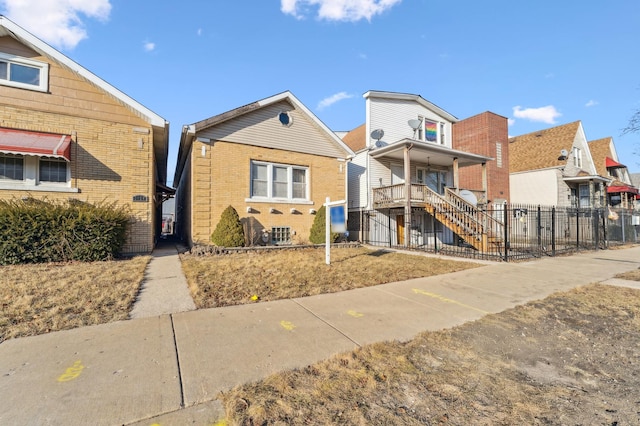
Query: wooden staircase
474	226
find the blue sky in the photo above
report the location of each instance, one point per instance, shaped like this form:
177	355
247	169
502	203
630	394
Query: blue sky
540	64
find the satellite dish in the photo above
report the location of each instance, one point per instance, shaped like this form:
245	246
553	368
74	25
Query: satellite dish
563	154
377	134
414	124
469	197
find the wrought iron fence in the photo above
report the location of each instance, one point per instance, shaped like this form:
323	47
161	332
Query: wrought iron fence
524	231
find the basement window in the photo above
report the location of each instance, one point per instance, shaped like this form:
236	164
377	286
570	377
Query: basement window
23	73
280	235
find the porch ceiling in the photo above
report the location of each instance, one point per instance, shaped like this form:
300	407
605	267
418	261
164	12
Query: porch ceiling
426	152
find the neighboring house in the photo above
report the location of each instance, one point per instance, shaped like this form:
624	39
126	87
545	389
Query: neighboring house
485	134
554	167
66	133
404	182
273	160
621	192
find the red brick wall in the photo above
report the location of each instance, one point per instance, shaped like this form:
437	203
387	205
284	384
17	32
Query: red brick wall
485	134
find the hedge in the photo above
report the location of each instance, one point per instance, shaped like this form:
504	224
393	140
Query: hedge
40	231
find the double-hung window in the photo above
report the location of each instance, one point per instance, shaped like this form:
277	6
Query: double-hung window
23	73
280	182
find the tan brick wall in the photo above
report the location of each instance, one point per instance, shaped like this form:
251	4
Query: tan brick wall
107	165
222	178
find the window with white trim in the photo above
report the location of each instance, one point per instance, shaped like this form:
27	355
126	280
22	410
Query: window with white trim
280	182
23	73
29	172
577	157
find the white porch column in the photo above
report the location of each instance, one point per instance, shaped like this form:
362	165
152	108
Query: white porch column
456	180
484	182
407	191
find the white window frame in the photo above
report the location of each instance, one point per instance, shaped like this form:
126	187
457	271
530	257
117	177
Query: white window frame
269	197
577	157
31	177
43	68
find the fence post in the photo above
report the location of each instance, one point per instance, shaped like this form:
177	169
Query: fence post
553	231
539	225
389	227
435	237
596	226
506	233
624	239
578	229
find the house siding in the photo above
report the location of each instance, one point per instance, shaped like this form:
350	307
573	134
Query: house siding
111	160
392	115
262	128
221	178
358	181
536	187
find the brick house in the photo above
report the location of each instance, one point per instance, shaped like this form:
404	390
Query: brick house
273	160
66	133
485	134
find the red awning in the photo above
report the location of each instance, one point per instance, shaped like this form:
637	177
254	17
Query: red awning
625	188
25	142
612	164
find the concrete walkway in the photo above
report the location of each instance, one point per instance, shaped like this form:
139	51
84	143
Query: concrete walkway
168	369
164	289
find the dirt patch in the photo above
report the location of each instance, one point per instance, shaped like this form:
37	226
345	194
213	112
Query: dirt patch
573	358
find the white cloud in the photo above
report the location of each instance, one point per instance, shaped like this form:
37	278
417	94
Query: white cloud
149	46
57	22
591	103
546	114
326	102
199	31
511	121
337	10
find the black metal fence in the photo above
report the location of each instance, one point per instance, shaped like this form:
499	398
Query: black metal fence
523	231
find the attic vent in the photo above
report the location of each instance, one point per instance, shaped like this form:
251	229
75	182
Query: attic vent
285	119
538	134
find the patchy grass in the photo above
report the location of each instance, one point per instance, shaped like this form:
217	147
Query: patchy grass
37	299
234	279
569	359
633	275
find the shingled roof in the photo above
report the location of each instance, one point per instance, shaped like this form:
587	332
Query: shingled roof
356	139
541	149
600	150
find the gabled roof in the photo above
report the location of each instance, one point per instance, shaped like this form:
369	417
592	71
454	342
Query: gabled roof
356	139
189	131
600	151
11	29
541	149
410	97
161	126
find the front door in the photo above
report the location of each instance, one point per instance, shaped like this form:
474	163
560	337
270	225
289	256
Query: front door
400	229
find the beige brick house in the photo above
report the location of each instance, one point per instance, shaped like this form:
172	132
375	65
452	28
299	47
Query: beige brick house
66	133
273	160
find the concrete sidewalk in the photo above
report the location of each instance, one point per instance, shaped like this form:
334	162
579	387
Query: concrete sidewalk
168	369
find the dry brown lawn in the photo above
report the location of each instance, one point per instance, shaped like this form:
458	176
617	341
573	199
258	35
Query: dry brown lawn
630	275
242	278
37	299
572	358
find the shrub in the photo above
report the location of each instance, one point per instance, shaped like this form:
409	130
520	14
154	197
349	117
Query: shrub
39	231
229	231
318	229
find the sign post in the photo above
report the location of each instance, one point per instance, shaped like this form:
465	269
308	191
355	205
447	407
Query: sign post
334	221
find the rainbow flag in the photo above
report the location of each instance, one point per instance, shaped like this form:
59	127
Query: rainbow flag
431	131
